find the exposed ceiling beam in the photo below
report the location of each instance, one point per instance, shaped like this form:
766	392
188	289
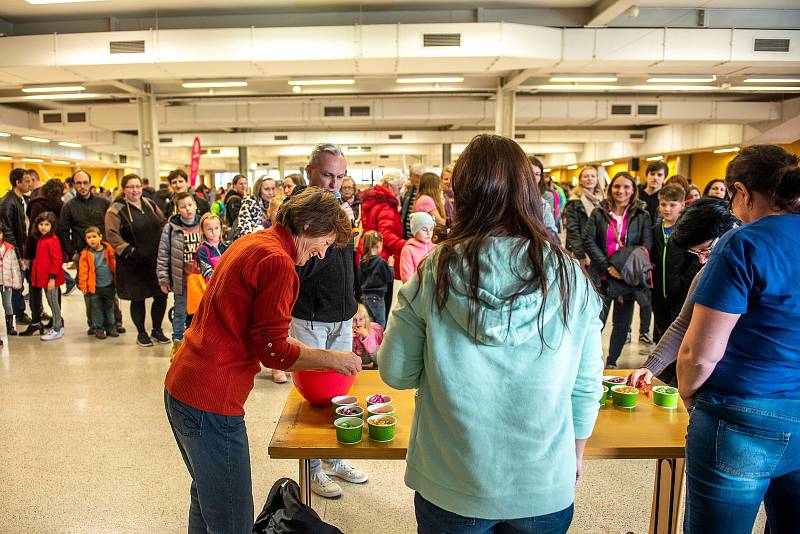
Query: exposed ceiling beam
516	78
128	87
604	11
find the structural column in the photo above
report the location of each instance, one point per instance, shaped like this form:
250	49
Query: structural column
447	154
148	137
281	167
243	168
505	112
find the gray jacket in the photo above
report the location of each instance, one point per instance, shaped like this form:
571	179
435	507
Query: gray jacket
169	267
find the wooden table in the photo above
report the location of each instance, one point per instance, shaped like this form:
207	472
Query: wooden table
306	432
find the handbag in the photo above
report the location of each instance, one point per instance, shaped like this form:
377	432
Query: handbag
283	513
195	288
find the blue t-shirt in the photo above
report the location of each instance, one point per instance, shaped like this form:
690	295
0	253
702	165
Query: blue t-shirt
103	277
755	271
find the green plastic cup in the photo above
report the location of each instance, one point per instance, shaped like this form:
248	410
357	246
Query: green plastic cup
607	381
349	429
665	396
622	398
382	432
358	411
380	409
343	400
605	395
385	399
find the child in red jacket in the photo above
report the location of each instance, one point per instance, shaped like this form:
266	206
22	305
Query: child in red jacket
46	271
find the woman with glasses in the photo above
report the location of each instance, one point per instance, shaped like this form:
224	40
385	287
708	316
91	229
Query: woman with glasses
739	364
697	231
133	228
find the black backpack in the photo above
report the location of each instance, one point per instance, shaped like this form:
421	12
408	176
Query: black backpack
283	513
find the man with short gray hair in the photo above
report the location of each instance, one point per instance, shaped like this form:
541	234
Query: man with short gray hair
415	172
322	317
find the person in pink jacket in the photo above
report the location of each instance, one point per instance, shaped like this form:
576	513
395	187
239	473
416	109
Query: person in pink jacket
418	247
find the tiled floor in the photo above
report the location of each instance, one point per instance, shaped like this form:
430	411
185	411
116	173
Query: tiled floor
86	448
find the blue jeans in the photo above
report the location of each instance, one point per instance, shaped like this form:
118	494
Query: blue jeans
740	451
434	520
375	303
179	315
216	452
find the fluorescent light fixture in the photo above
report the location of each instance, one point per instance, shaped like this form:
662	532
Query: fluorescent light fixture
62	162
575	87
44	2
584	78
682	79
607	163
54	89
572	167
71	145
35	139
547	169
772	80
435	79
323	82
655	158
726	150
673	87
210	84
5	158
782	89
4	134
32	160
62	96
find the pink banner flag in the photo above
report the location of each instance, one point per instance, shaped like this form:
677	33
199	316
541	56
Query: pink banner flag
195	162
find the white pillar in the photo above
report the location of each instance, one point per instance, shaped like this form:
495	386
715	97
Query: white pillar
148	138
505	112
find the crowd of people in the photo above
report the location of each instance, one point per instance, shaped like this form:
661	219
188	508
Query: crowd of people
490	302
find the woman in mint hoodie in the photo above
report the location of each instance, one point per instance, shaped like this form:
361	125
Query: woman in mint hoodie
500	333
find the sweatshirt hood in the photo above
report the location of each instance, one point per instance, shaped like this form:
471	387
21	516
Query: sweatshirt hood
378	195
177	221
501	258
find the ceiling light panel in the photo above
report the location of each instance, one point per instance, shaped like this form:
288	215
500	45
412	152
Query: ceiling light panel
71	145
596	79
61	162
4	134
667	88
54	89
441	79
772	80
35	139
655	158
322	82
592	87
62	96
45	2
726	150
607	163
778	88
32	160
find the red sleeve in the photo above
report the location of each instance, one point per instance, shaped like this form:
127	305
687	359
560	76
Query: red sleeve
392	242
276	287
54	251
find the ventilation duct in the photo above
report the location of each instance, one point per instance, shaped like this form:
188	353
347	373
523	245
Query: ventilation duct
334	111
51	117
281	137
621	109
359	111
76	117
126	47
647	109
441	39
771	45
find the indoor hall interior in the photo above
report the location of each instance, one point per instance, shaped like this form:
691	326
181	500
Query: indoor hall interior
88	449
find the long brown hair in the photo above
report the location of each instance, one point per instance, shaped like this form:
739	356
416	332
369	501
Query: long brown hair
430	184
496	196
371	238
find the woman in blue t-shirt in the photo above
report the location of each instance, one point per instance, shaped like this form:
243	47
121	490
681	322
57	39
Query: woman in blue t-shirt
739	364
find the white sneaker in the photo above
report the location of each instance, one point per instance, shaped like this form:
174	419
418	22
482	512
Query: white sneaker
345	471
50	335
322	485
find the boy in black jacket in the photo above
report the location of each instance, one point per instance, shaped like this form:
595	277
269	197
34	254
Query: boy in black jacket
670	207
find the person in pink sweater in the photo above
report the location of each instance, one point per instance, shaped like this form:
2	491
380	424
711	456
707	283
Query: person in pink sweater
367	337
418	247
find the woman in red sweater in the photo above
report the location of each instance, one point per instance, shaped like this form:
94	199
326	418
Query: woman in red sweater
242	324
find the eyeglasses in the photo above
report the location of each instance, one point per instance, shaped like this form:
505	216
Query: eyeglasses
705	251
133	187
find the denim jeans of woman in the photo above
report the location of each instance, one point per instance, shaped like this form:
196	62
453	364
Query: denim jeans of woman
740	451
434	520
216	452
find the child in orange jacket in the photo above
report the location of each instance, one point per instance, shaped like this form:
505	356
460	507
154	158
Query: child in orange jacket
97	266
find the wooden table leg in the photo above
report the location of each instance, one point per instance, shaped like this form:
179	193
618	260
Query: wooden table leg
667	493
305	481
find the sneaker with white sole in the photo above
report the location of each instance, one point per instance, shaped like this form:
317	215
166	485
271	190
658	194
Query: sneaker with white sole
342	469
646	339
322	485
51	335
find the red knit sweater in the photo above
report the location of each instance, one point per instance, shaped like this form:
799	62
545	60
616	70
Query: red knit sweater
242	323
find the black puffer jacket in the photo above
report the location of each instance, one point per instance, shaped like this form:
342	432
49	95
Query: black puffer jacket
576	217
595	236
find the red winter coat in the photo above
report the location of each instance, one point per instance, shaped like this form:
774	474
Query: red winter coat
47	262
379	211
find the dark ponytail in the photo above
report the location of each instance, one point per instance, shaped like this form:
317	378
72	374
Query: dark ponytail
787	189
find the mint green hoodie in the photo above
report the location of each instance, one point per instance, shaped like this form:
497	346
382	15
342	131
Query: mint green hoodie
494	430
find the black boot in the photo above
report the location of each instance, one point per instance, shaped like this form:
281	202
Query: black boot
10	326
33	328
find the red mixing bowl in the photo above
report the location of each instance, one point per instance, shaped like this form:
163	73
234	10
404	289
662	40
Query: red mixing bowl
319	387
